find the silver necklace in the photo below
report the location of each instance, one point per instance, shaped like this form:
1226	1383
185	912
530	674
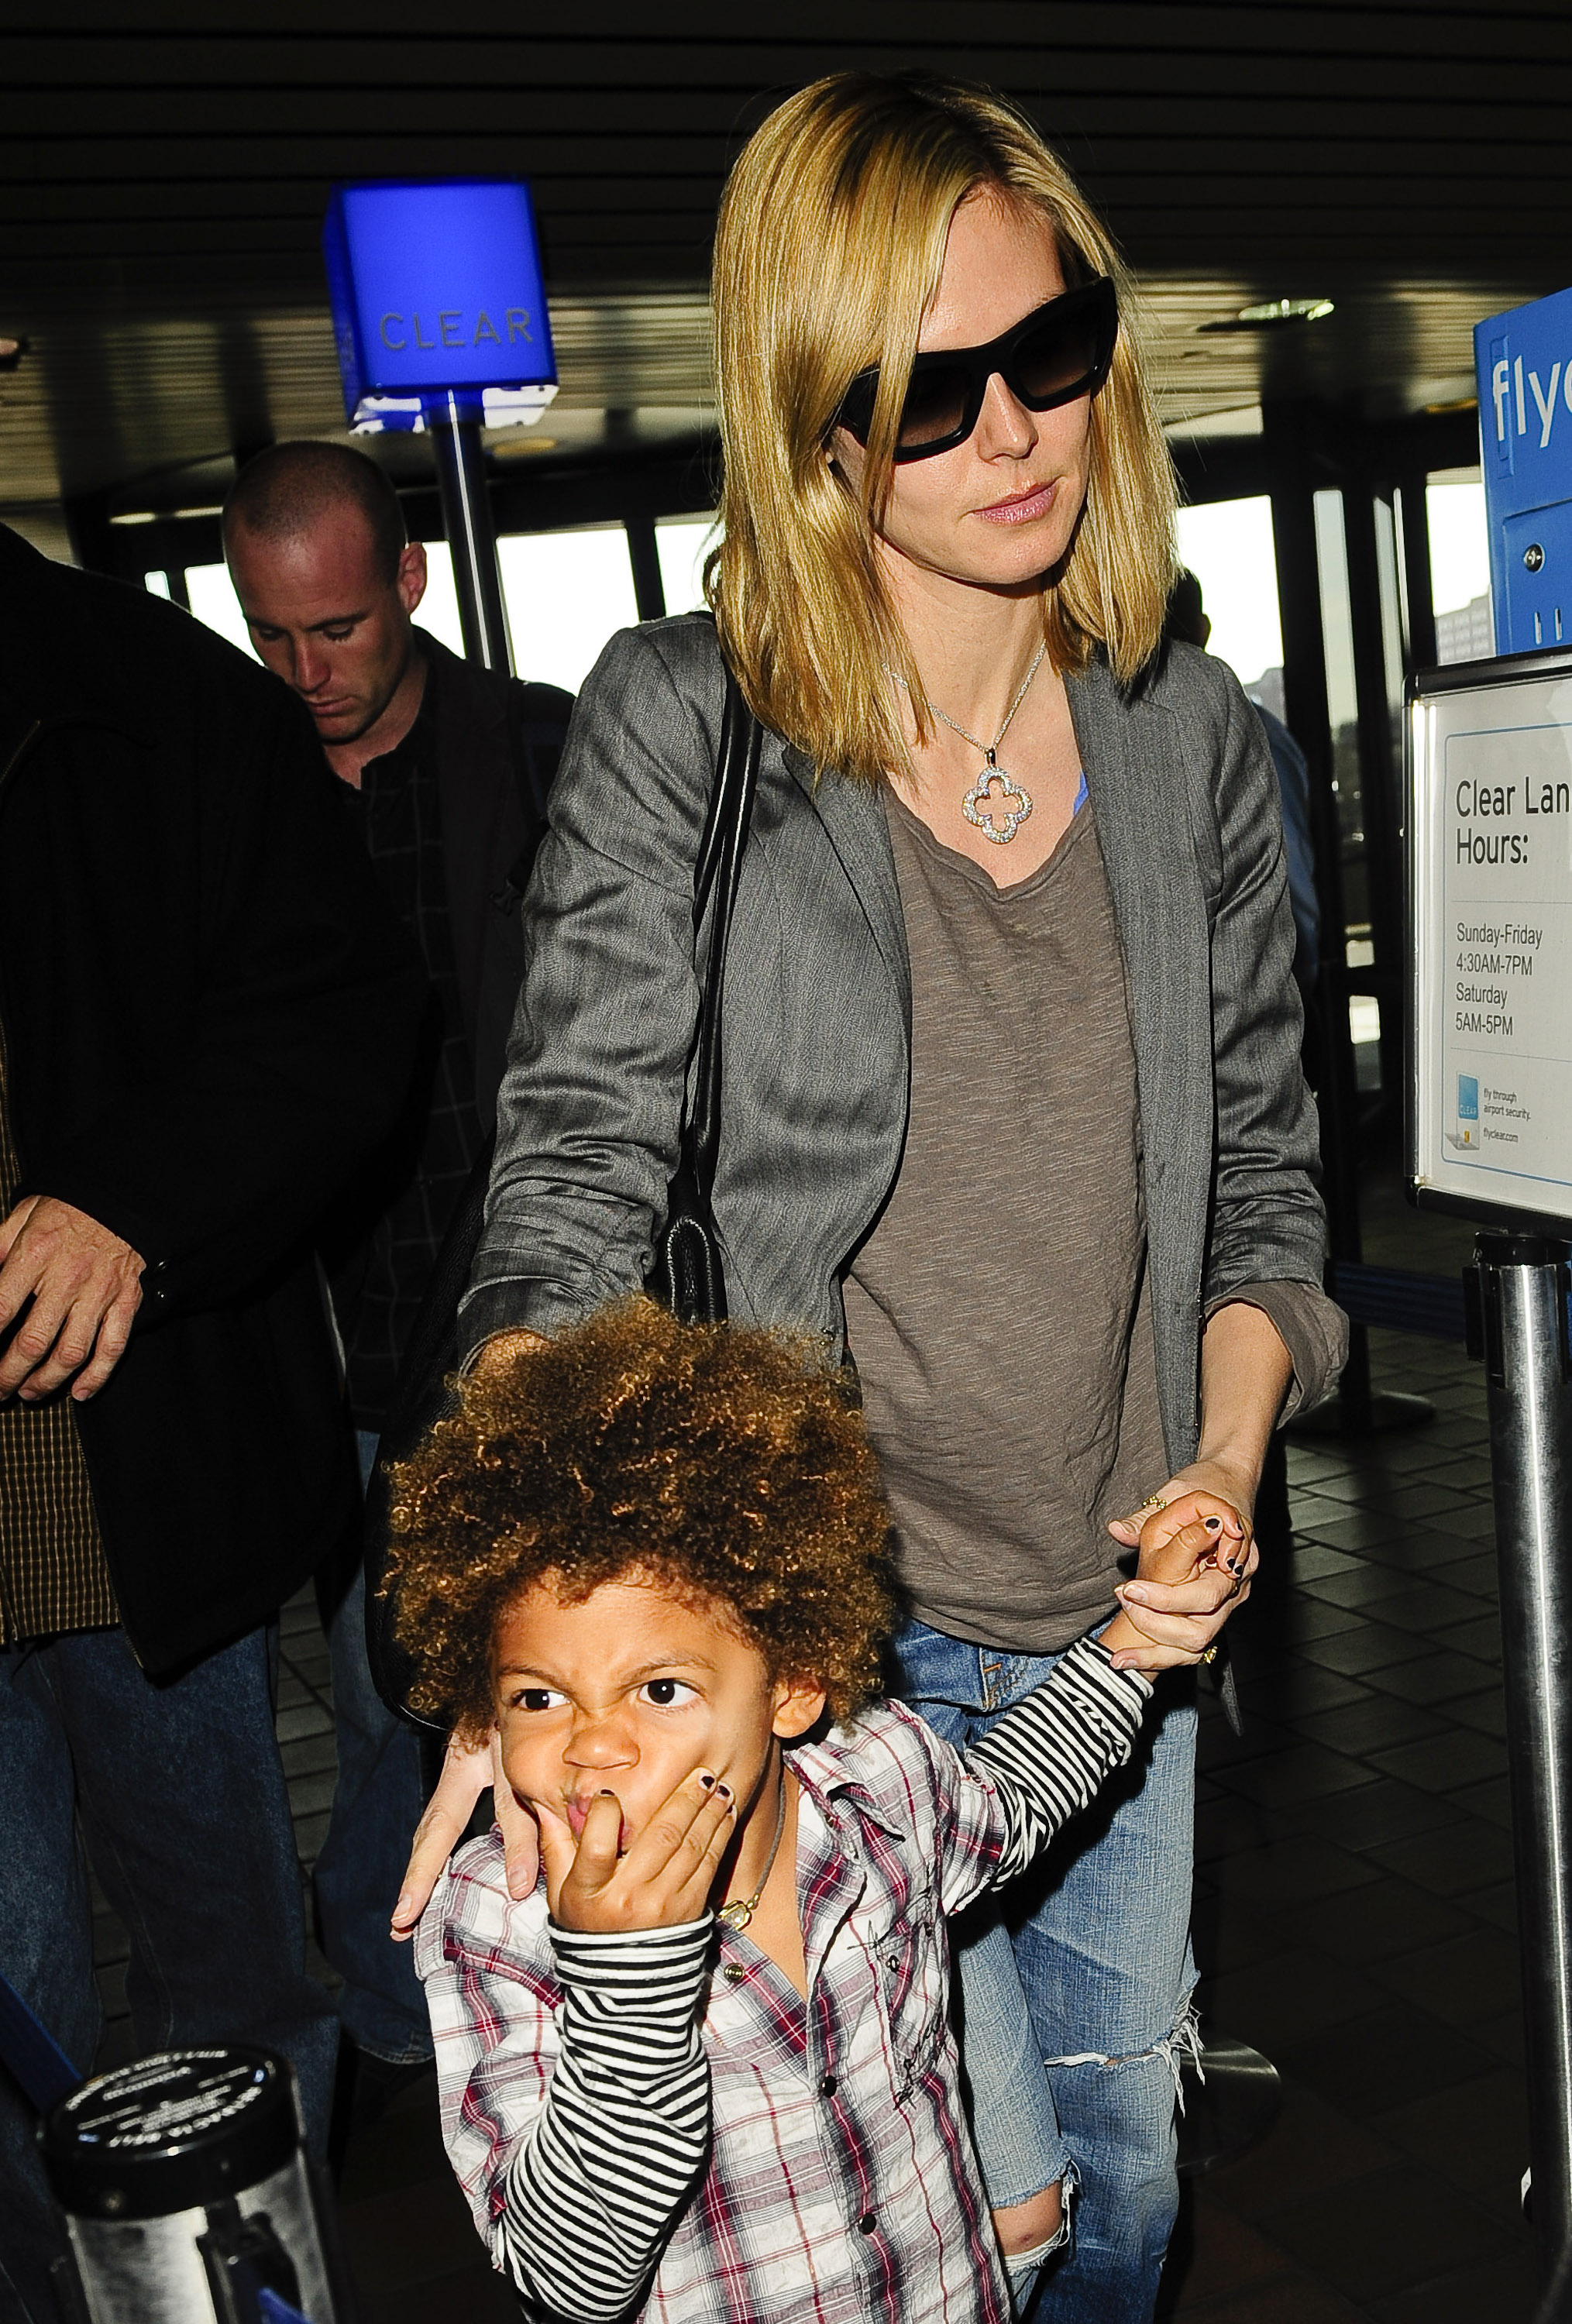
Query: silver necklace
741	1910
979	807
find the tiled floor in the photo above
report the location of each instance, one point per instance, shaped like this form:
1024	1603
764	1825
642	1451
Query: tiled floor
1354	1910
1354	1906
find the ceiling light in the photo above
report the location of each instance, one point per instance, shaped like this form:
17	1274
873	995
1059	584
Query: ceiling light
161	516
1269	312
12	351
1286	310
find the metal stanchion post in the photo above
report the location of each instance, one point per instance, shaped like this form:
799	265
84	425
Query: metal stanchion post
1518	1298
455	430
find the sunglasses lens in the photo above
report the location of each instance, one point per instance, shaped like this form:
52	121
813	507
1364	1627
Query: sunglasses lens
935	408
1054	362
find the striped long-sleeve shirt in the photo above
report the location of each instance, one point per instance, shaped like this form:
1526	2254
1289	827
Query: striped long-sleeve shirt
657	2124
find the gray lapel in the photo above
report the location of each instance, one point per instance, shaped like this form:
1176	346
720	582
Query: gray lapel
1139	794
853	815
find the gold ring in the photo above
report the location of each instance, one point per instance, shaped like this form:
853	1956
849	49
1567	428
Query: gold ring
1154	1501
1210	1654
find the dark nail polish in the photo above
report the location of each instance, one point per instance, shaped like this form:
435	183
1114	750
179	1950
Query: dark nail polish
725	1790
603	1795
709	1782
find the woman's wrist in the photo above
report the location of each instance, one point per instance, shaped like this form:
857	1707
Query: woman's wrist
1233	1475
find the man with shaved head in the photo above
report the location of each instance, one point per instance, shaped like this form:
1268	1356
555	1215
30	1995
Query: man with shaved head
445	768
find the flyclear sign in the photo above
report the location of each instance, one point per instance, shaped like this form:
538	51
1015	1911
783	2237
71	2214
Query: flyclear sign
1524	363
1489	824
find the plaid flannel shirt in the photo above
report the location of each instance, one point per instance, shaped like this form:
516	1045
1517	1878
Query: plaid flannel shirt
664	2106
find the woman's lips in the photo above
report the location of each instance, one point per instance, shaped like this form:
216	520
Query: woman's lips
1021	507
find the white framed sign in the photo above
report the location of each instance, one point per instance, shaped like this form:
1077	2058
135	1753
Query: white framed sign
1489	748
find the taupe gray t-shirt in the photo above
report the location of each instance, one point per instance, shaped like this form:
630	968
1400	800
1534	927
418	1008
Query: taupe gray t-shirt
998	1310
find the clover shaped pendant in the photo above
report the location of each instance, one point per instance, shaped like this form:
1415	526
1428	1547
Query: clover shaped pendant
998	820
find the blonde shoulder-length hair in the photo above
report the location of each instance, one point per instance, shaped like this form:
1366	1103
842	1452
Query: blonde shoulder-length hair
829	251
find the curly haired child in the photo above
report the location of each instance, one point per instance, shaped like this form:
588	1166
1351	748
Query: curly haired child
707	2070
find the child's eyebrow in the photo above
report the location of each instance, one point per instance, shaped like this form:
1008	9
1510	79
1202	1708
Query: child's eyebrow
664	1665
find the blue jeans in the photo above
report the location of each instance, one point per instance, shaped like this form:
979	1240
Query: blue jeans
1075	1989
180	1796
377	1801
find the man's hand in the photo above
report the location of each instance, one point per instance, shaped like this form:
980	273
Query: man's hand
665	1878
467	1771
86	1287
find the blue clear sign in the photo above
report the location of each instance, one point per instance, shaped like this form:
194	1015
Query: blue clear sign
1524	363
436	290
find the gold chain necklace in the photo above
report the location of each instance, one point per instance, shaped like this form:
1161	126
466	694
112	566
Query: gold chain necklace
741	1910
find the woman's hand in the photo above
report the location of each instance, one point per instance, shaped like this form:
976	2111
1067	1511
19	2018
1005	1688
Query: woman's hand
1246	1371
467	1771
1179	1620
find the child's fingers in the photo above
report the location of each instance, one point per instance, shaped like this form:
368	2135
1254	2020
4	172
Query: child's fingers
582	1901
1176	1504
666	1850
599	1842
559	1849
698	1861
1195	1549
1194	1508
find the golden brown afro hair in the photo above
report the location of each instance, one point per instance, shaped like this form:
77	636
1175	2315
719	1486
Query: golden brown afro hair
727	1464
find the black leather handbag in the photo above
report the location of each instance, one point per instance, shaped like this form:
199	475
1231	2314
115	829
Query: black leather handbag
686	1273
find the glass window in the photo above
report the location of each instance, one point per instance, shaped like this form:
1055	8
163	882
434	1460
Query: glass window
1459	565
1229	548
682	544
437	610
1342	702
566	593
156	584
214	600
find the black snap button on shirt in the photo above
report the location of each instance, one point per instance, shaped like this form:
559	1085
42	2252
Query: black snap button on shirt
828	2087
865	2224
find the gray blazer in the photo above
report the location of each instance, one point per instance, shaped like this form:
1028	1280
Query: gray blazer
817	1030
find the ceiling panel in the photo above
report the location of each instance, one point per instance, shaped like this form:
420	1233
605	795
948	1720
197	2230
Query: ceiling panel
162	187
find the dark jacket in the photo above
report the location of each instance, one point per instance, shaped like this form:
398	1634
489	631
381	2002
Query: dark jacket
498	742
210	1018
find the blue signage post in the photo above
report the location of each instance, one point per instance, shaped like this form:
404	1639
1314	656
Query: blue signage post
441	319
1524	363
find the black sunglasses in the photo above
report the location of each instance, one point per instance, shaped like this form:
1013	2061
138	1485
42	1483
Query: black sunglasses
1054	354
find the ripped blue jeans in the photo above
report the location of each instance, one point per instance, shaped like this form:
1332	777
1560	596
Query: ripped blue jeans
1074	1986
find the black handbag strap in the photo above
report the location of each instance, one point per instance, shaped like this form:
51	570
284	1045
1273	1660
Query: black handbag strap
422	1396
717	874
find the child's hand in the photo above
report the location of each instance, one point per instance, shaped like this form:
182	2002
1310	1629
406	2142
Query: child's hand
664	1879
1192	1543
1187	1535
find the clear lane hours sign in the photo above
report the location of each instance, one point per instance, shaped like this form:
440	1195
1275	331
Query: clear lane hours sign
1490	865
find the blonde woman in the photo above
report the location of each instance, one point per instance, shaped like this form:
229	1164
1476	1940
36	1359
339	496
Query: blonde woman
1013	1106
